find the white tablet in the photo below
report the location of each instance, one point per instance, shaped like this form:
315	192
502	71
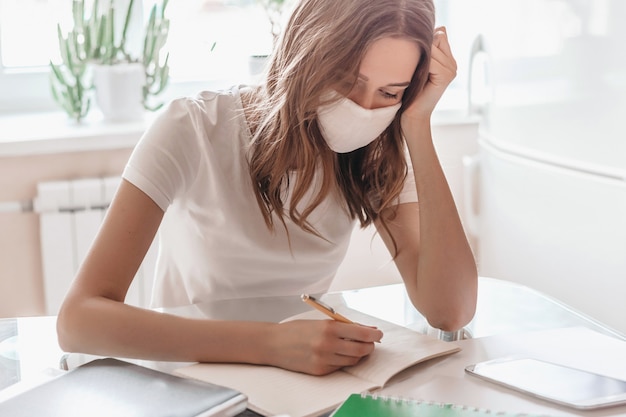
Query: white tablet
553	382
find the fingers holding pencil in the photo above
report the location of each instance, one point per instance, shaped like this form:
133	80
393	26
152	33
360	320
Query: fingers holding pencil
320	347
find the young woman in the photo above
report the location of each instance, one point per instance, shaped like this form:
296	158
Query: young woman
255	191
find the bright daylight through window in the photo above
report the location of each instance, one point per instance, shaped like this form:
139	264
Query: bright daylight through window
210	42
206	43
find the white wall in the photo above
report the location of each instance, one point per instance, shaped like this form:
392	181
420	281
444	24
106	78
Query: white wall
21	281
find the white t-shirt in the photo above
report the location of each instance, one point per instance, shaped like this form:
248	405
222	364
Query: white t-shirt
213	241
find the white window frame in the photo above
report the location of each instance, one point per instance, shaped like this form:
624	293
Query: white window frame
28	91
24	90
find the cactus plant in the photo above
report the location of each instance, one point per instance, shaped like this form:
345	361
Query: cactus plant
68	81
92	40
157	73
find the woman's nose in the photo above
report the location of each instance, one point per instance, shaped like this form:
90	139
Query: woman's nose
362	98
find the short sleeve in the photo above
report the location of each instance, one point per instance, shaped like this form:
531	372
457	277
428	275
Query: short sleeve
166	157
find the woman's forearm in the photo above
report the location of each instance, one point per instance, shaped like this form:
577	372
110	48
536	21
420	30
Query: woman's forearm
105	327
446	271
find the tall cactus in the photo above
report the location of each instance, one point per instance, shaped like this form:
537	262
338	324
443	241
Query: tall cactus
68	80
92	40
157	73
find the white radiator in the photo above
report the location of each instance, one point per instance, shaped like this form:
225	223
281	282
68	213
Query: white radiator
70	214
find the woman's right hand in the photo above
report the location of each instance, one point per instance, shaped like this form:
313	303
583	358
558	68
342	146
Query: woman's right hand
442	71
319	347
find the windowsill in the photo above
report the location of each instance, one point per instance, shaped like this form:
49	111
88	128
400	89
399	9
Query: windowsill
53	132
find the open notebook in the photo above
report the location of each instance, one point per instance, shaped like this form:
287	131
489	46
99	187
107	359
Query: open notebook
273	391
110	387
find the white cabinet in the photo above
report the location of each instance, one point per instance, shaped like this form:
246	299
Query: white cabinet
560	231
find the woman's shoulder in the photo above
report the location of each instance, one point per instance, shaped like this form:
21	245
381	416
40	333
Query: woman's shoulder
194	119
207	111
210	101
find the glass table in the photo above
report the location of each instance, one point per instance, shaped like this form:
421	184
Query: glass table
502	307
29	352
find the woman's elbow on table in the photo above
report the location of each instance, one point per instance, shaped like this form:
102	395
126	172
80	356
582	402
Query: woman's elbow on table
450	312
75	324
452	316
452	319
68	325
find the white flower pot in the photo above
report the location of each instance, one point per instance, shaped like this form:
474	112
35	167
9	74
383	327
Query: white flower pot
257	64
119	91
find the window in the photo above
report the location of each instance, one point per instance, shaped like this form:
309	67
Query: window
27	21
209	44
26	28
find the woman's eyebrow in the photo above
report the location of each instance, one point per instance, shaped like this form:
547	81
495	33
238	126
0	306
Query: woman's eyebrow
401	84
404	84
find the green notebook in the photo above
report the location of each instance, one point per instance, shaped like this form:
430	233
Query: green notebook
364	405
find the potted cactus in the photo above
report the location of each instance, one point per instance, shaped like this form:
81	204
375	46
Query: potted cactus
94	52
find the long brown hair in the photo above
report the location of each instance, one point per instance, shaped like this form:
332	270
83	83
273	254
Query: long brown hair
322	46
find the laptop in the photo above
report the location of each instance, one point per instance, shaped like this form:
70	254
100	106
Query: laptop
112	387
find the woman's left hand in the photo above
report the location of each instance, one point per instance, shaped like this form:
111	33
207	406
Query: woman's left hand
442	71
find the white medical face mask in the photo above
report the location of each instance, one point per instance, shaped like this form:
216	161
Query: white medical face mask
346	126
